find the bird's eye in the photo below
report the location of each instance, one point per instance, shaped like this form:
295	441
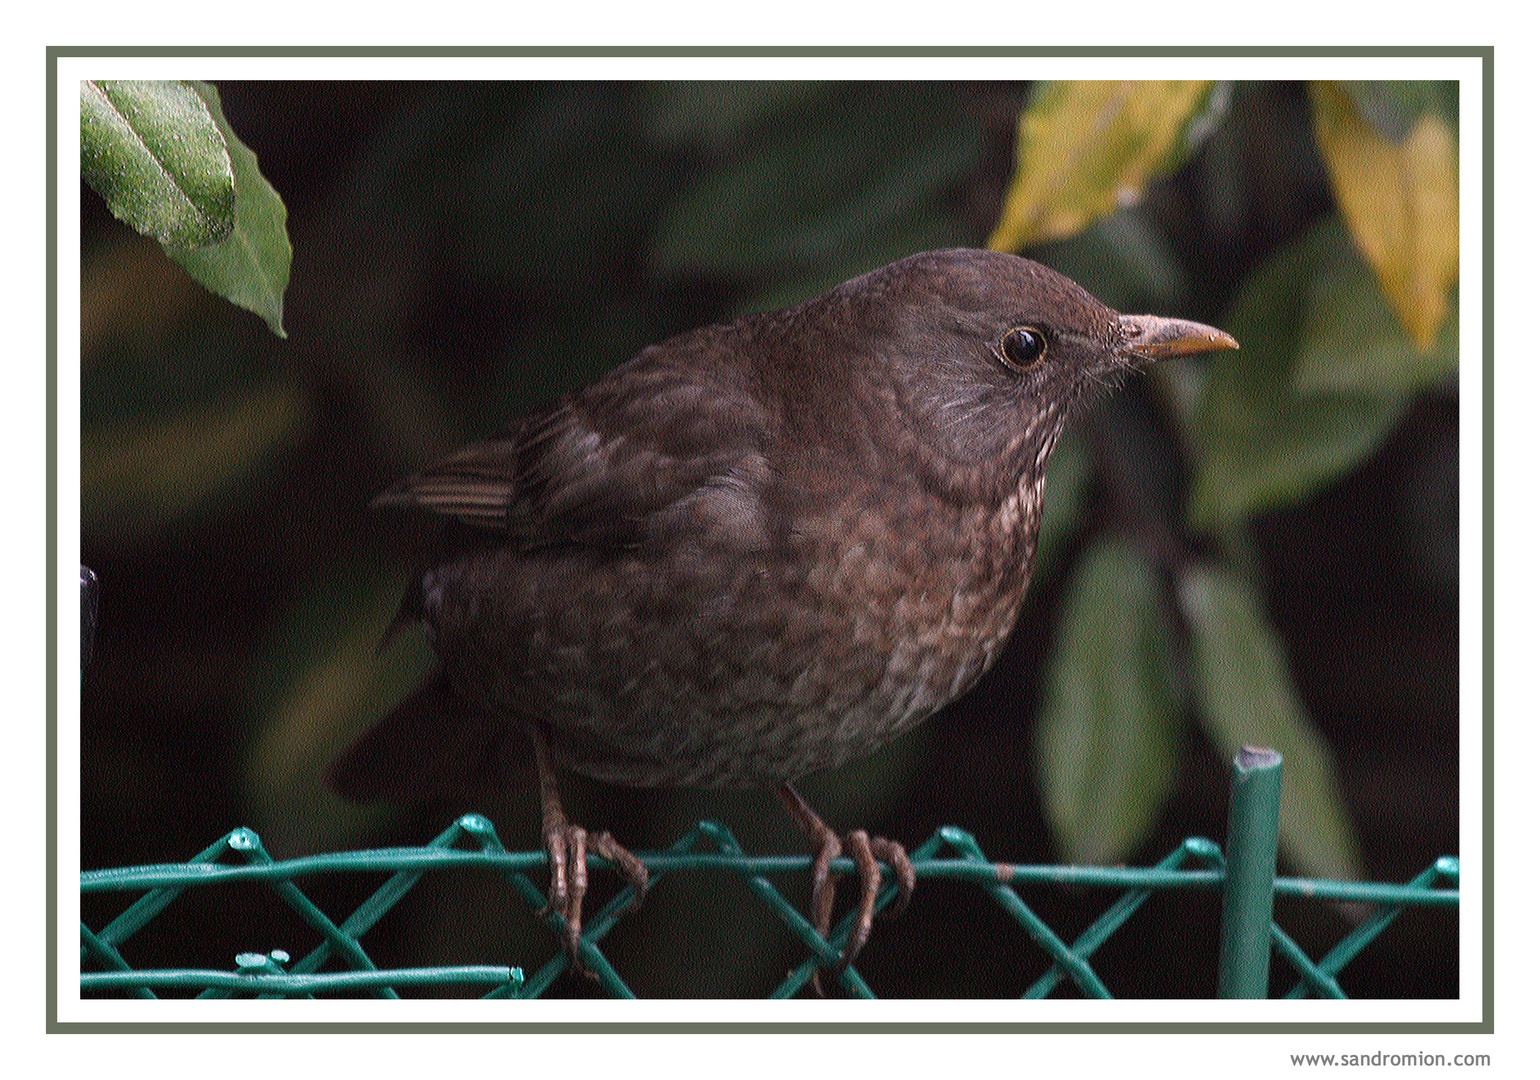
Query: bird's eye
1023	347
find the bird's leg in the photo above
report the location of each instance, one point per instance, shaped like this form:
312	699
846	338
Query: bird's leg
865	851
567	845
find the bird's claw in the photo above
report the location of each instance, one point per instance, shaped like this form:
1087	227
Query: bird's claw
893	853
567	845
868	853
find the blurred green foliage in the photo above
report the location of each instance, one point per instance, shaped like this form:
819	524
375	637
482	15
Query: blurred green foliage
466	251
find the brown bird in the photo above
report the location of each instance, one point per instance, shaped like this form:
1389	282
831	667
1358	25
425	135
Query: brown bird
752	552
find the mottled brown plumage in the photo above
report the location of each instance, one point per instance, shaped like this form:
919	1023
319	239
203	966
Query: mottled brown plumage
755	550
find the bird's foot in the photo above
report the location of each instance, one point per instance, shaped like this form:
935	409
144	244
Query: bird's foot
567	846
867	852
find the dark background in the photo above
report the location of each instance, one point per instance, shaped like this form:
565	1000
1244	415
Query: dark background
465	252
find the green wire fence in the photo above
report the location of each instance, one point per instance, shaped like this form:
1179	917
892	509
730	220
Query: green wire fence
1243	875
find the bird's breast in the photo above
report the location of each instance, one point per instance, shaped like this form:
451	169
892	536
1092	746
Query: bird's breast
931	592
873	617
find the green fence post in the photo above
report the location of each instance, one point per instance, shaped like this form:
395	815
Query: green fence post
1251	861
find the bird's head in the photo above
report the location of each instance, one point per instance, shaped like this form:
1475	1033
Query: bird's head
992	353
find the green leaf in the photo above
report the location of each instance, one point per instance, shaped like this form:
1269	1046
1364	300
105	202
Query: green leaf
1069	475
157	157
1401	201
1247	698
1107	733
1393	108
1351	343
1258	442
830	183
924	232
1084	148
1125	261
715	112
250	268
545	192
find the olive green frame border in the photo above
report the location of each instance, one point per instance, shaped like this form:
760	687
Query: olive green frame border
54	1025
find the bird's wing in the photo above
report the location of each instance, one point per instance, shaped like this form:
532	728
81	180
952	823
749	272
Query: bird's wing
651	445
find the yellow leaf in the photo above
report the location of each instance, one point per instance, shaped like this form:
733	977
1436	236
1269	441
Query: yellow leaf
1086	148
1401	203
